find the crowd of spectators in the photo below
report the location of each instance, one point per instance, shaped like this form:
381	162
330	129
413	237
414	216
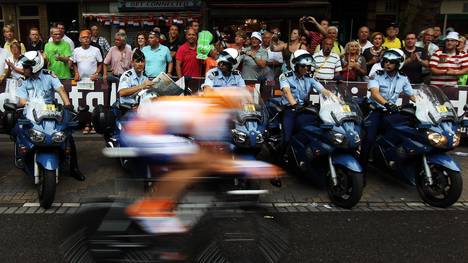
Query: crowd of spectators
265	52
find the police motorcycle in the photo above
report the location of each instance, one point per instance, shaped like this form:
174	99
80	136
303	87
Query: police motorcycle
415	149
42	145
328	150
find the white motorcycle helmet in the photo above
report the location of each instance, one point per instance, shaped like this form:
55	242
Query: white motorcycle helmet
32	59
302	57
229	55
394	55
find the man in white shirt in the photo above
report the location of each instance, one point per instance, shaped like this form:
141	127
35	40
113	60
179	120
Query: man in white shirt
87	59
61	27
3	56
275	59
363	38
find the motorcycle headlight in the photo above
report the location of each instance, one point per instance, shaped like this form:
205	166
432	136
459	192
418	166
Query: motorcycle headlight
437	139
238	136
36	136
338	138
357	139
259	138
456	139
58	137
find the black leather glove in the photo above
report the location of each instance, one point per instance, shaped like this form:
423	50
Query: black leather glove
69	108
391	107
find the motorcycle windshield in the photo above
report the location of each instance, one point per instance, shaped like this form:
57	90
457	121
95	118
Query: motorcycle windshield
251	111
432	106
38	110
338	108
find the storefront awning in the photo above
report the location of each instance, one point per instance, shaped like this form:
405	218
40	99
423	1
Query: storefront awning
141	19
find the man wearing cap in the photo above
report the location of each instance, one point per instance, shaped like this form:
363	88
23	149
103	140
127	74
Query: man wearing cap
447	64
158	57
134	80
254	59
224	75
391	40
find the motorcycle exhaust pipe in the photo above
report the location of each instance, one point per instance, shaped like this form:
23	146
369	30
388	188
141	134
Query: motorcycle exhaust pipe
332	171
427	171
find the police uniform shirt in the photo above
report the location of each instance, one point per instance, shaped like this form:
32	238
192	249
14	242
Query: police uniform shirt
389	87
215	79
42	87
300	86
130	79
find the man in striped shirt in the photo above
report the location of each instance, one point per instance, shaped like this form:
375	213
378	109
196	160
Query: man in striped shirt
327	63
447	64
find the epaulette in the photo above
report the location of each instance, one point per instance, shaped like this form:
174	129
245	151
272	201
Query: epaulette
289	73
309	75
48	72
380	72
215	73
235	72
128	73
402	74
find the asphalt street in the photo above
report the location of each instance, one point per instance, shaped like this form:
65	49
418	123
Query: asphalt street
393	236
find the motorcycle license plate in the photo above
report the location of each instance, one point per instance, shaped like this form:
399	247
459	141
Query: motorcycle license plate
249	107
442	108
49	107
345	108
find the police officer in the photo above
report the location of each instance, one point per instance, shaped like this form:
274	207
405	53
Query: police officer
296	86
42	84
385	88
223	75
134	80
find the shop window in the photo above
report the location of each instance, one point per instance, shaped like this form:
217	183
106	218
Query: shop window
29	10
1	18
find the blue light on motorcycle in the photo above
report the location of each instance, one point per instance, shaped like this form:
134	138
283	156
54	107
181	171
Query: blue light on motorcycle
58	137
36	136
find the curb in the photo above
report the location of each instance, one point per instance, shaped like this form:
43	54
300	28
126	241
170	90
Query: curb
72	208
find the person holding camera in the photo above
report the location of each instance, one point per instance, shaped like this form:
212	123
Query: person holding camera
317	36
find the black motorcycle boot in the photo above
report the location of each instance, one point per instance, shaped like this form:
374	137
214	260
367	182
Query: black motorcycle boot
77	174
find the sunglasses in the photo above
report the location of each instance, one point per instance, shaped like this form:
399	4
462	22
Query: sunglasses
391	61
304	66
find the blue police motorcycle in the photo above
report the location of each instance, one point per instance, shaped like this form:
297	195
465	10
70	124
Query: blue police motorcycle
415	148
328	150
249	129
42	145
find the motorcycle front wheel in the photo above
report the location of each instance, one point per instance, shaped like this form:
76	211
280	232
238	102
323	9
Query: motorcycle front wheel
446	188
348	191
46	187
